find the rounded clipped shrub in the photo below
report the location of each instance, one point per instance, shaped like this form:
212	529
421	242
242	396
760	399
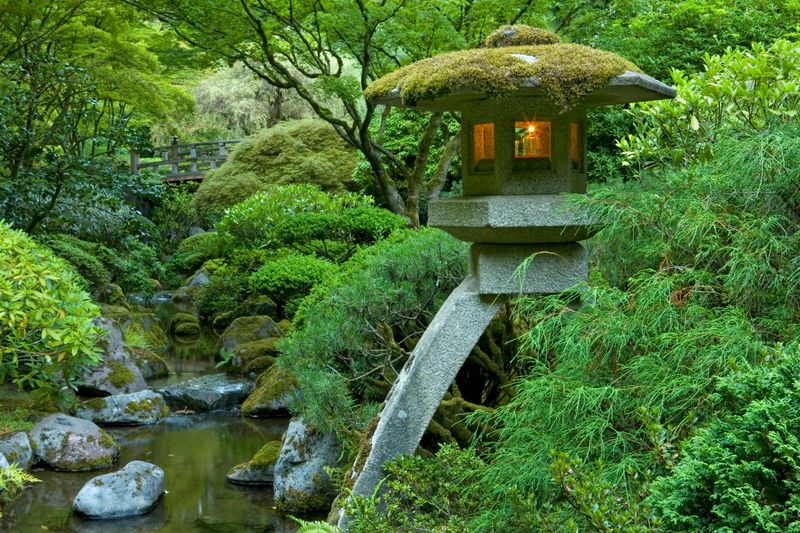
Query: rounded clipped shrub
290	278
47	337
253	222
193	251
302	151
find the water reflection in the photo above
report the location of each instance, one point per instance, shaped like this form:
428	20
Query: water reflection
195	452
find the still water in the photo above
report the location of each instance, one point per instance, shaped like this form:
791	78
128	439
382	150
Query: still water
195	452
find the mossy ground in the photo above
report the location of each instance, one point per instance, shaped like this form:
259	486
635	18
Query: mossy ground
566	73
20	410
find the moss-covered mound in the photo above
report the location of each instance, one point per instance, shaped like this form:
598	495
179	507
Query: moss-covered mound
520	35
302	151
274	390
565	72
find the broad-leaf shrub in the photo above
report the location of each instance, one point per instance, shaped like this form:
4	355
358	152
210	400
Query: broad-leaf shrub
363	321
741	472
752	88
290	278
253	223
47	337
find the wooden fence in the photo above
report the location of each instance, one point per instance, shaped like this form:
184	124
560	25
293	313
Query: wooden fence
180	162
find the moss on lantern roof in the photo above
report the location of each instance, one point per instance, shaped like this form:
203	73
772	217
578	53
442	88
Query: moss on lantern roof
565	72
519	35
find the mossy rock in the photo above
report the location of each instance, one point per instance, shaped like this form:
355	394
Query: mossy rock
285	325
248	329
259	365
299	151
565	72
182	318
260	470
275	390
519	35
72	444
150	363
113	295
249	352
142	322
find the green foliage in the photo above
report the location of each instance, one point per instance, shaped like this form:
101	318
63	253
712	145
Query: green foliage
47	337
701	275
193	251
317	526
362	321
421	494
290	278
12	480
741	472
752	88
133	266
175	215
307	219
303	151
222	294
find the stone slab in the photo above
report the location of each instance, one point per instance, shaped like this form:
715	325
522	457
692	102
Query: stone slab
550	269
425	378
511	219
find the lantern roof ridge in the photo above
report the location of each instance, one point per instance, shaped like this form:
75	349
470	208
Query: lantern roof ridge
567	74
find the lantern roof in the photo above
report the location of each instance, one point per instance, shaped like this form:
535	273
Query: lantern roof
518	61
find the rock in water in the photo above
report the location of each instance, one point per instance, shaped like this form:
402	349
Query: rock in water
248	329
72	444
143	407
260	470
117	373
275	390
132	491
207	393
301	483
17	449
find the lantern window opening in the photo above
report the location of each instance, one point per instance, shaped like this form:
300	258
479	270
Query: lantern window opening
483	147
533	145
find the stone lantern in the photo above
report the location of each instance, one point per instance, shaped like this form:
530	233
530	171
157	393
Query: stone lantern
523	99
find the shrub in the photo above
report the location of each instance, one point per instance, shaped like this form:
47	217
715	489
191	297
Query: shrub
47	337
80	255
421	494
741	472
252	223
364	320
193	251
226	289
290	278
302	151
740	88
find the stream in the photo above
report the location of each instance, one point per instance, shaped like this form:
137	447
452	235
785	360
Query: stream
195	452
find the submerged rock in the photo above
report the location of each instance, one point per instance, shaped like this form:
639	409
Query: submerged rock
131	491
249	329
117	373
16	448
275	390
143	407
207	393
260	470
72	444
301	483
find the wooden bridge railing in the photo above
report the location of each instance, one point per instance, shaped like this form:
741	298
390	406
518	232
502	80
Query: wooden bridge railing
188	161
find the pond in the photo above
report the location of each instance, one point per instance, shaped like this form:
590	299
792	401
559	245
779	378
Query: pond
195	451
